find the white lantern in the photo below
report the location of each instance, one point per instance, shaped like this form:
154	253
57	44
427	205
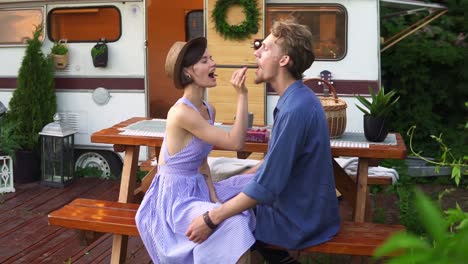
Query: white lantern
6	174
57	160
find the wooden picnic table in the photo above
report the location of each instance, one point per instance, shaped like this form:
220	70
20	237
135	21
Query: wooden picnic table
355	191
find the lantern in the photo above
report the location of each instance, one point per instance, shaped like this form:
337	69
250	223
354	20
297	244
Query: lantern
6	174
57	146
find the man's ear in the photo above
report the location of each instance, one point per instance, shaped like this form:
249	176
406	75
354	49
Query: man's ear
285	60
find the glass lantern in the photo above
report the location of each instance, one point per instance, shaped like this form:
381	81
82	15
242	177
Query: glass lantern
57	146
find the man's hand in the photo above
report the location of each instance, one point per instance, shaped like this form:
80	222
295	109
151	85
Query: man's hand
198	231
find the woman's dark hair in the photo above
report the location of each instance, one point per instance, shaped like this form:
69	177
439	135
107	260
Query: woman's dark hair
193	55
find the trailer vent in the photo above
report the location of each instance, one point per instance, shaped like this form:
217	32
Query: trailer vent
72	118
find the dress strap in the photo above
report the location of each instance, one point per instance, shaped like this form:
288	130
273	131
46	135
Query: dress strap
210	111
186	102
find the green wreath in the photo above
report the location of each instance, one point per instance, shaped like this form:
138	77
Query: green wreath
238	32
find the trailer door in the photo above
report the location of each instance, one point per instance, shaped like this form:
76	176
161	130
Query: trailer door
166	24
231	55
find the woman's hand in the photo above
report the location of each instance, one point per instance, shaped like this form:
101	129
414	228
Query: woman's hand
238	80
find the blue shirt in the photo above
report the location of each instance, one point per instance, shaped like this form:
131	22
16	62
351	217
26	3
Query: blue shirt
294	187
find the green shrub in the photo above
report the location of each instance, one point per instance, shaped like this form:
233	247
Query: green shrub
429	70
34	102
9	141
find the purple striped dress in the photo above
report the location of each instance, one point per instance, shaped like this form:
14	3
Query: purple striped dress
176	196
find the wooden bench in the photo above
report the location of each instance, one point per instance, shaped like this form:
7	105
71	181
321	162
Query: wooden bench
359	239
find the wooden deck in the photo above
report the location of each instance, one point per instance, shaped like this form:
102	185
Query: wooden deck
25	236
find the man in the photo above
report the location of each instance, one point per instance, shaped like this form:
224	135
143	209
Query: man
293	189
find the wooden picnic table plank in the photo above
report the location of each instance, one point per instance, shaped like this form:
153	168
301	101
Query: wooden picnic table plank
111	136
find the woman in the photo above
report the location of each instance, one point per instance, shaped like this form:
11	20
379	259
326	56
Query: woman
183	189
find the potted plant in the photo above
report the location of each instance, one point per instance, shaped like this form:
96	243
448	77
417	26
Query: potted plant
31	107
59	53
99	54
376	112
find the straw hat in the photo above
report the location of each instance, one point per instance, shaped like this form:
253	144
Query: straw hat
176	55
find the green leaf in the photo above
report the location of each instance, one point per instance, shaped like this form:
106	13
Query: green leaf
401	240
456	174
381	103
430	217
463	224
363	110
412	258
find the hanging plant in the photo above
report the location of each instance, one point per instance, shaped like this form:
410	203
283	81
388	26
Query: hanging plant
238	32
99	53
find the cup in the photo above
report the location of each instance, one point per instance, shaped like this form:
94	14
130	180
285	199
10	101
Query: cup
250	120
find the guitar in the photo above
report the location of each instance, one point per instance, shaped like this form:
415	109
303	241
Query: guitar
327	76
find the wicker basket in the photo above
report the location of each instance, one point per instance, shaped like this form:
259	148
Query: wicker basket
335	110
60	61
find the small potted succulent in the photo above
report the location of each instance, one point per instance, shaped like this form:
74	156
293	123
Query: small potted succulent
99	54
376	112
59	53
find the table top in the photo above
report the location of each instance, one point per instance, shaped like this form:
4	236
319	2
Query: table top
112	136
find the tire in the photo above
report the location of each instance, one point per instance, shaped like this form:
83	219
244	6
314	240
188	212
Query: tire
106	161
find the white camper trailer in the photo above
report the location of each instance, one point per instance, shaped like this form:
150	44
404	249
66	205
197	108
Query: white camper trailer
138	34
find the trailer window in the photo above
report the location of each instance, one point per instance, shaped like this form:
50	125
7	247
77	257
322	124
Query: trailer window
327	24
84	24
18	25
194	24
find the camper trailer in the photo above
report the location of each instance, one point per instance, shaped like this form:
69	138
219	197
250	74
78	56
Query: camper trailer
138	34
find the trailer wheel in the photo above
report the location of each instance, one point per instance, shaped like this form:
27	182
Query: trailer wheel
106	161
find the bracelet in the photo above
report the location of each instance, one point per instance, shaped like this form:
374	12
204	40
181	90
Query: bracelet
208	222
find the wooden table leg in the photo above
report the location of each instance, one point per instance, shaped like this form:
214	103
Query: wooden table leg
119	249
361	197
344	183
243	154
148	178
361	190
127	186
157	150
